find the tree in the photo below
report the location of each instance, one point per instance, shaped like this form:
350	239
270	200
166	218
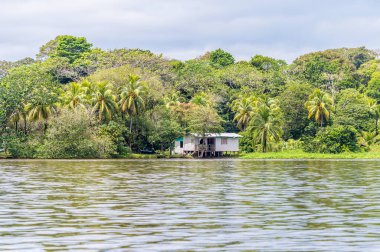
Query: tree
375	110
352	109
243	108
73	96
335	139
65	46
367	139
165	128
220	58
293	108
320	106
104	103
266	123
71	135
373	89
131	98
203	120
265	64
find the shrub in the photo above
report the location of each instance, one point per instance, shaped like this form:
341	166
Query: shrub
21	146
333	140
115	131
246	142
72	134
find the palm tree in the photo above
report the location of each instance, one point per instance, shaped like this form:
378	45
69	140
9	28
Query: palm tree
74	96
320	106
367	139
172	100
266	124
375	110
131	98
40	112
244	110
104	101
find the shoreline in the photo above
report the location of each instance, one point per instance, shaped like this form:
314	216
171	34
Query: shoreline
282	155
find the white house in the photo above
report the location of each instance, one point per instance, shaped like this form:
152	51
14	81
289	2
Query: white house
208	145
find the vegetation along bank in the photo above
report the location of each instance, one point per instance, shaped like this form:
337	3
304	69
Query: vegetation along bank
77	101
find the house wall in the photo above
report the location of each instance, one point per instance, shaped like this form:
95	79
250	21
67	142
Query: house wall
188	145
232	144
177	149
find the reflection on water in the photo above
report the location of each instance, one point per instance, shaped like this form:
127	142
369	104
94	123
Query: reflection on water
224	205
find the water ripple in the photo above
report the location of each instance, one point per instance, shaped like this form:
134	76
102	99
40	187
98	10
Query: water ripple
219	205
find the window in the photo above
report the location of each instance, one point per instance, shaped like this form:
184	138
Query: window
224	140
181	144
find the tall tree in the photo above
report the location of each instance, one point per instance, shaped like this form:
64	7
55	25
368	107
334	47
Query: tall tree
65	46
73	96
320	106
220	58
375	110
266	123
131	98
243	107
104	101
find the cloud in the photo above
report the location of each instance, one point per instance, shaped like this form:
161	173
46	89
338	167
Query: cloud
185	29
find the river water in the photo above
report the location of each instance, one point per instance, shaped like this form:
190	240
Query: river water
187	205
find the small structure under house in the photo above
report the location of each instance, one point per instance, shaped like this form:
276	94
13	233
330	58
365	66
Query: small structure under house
207	145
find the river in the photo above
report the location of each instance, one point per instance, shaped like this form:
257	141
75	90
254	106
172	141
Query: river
189	205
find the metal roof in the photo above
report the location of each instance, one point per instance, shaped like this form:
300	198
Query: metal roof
228	135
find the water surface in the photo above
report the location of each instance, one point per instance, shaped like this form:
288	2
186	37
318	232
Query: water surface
212	205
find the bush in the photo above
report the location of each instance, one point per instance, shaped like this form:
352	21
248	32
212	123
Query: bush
115	131
72	134
20	146
333	140
246	142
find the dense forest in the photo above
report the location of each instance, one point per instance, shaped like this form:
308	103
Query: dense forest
77	101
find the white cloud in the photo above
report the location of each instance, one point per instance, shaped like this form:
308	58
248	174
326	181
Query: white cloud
187	28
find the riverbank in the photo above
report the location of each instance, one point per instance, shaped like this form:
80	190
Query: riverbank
289	154
299	154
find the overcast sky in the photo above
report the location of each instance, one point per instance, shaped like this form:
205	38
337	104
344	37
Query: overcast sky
184	29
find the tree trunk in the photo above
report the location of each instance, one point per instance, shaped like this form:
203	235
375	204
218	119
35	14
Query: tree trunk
377	124
130	125
25	126
16	125
265	142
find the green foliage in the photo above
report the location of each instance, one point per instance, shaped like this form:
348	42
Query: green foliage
292	104
246	142
266	64
197	76
319	106
373	89
21	146
331	68
42	102
352	109
220	58
266	123
203	119
72	135
335	139
165	129
115	131
65	46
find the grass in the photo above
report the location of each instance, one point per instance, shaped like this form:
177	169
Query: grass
299	154
151	156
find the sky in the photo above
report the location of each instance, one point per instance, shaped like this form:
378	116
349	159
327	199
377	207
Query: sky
184	29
